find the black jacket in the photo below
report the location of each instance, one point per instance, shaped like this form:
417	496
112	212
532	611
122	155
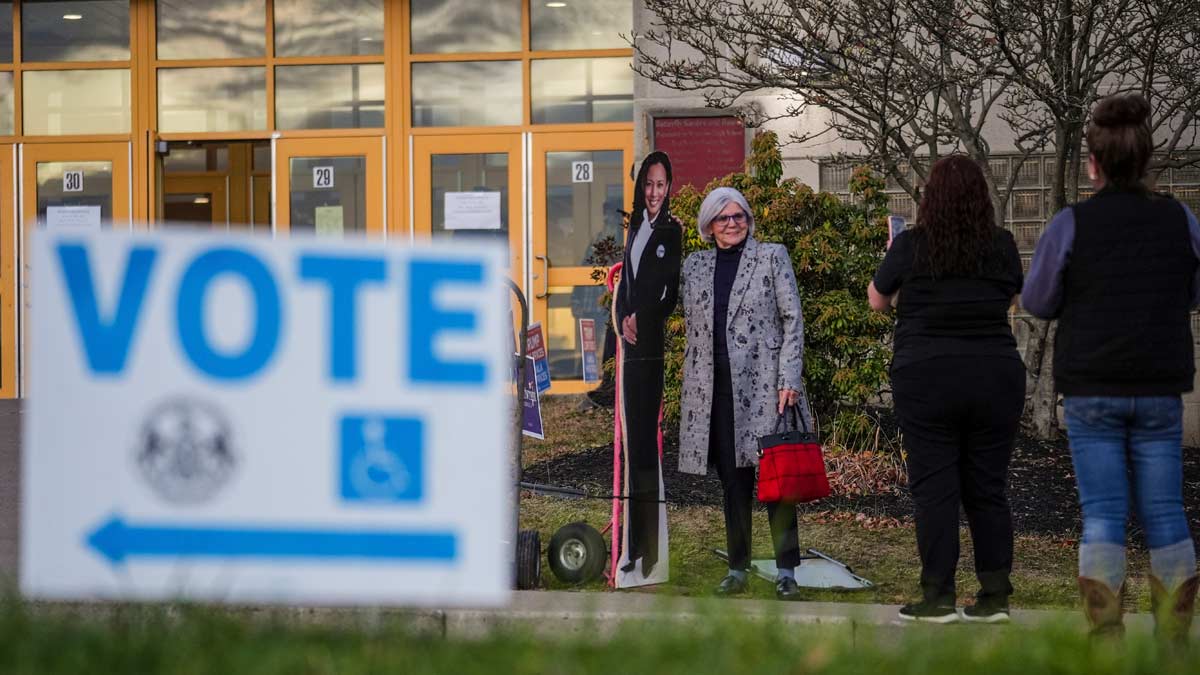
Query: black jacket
651	295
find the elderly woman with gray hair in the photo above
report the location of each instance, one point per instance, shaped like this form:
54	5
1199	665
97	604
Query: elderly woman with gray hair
742	367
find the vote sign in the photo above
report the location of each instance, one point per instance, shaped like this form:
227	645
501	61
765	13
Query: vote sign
244	420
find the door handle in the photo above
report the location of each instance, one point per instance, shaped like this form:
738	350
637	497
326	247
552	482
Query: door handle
545	276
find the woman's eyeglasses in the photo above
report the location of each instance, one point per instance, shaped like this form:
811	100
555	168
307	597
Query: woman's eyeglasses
725	220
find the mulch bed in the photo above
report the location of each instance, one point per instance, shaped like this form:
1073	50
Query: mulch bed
1041	486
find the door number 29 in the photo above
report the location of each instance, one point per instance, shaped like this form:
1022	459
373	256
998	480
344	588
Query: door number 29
322	177
581	172
72	181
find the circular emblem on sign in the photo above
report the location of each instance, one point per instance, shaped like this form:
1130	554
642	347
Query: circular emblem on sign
661	251
185	451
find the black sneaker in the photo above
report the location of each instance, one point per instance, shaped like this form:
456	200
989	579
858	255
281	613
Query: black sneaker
986	610
929	612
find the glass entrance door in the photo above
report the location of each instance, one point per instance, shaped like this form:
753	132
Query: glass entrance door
195	200
468	188
329	186
70	186
581	183
76	185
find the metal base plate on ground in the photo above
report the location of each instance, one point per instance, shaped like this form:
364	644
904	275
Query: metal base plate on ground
816	570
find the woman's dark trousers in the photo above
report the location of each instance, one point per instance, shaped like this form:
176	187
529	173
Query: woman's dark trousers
738	485
959	416
641	387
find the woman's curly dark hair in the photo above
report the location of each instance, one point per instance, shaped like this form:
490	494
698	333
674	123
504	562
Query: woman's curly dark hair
956	220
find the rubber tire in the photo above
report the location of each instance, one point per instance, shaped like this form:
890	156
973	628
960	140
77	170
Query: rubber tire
529	560
583	538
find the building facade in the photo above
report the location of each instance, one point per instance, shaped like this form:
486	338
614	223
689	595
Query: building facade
407	120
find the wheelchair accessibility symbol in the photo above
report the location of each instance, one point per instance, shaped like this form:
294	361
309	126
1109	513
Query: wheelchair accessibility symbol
381	459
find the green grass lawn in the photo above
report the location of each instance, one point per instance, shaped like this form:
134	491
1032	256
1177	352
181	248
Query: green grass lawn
1044	573
191	641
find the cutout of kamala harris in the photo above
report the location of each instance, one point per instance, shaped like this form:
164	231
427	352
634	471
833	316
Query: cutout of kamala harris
646	296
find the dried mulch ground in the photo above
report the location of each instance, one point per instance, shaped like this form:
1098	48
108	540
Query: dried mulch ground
1041	486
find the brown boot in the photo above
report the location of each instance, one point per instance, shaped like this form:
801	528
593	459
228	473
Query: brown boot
1103	608
1173	610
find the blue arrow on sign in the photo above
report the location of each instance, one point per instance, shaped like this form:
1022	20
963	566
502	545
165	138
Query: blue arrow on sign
116	540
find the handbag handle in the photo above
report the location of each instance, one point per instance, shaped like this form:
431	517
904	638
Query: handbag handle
783	419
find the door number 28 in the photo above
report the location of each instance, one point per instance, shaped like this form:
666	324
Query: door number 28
581	172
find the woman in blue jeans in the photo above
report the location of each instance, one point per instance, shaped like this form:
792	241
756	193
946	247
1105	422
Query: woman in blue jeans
1120	273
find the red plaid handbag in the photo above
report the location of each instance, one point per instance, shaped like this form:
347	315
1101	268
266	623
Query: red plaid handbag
791	467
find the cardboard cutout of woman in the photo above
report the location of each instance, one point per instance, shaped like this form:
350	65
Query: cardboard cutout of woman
646	296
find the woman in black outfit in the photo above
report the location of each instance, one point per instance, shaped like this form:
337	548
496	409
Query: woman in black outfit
646	296
958	384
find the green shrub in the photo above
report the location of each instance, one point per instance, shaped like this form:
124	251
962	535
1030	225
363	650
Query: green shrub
835	248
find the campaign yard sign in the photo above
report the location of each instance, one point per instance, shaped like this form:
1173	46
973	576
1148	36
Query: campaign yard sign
258	421
535	346
587	344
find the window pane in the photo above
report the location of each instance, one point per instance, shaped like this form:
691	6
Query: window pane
482	93
193	157
453	175
328	27
230	29
579	213
329	211
576	24
91	30
7	104
212	99
91	201
76	102
565	306
449	26
6	32
582	90
329	97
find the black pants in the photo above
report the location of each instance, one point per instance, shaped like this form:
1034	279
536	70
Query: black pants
641	389
959	416
738	486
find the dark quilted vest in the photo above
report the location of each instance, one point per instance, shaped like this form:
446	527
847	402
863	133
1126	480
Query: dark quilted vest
1125	328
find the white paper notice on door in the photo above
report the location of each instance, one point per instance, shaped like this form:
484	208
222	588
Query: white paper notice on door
73	216
472	210
329	220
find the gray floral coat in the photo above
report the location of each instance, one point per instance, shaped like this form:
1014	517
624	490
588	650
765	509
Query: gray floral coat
766	349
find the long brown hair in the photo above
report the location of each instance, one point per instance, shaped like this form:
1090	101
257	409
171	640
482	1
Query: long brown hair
956	219
1120	139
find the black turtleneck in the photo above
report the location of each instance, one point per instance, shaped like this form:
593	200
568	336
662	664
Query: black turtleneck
726	272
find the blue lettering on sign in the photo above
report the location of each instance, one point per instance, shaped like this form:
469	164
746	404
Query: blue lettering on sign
427	322
343	276
382	459
189	312
106	341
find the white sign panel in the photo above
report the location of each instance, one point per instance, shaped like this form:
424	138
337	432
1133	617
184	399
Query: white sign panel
73	216
472	210
323	177
581	172
258	421
72	181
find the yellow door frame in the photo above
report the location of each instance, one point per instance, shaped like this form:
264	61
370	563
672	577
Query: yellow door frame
211	185
425	147
370	147
9	342
551	276
117	153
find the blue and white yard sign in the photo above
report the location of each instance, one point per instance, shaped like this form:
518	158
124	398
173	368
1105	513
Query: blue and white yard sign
245	420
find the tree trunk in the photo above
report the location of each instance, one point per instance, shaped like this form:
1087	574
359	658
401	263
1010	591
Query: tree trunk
1042	412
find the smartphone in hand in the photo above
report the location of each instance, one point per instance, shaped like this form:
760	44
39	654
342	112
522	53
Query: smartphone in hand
896	225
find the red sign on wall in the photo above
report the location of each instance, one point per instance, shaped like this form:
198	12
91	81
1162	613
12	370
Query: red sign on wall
701	148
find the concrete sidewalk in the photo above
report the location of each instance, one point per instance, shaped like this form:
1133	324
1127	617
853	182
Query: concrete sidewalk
596	614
